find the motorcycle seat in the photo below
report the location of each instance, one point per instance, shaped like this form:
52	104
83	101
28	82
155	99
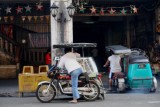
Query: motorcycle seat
118	75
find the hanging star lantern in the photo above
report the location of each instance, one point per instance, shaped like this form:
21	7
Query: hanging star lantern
8	10
81	9
111	11
93	10
39	6
19	9
28	8
123	11
135	10
102	11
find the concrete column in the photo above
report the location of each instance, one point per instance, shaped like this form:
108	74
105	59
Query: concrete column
61	31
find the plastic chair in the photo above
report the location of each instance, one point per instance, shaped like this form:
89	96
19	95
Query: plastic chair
43	69
28	70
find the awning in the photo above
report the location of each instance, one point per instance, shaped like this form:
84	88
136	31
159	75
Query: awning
74	45
118	49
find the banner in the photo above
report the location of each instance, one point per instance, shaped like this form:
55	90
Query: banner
23	18
6	19
11	18
29	18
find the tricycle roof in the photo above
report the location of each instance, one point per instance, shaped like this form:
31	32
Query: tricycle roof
74	45
118	49
138	59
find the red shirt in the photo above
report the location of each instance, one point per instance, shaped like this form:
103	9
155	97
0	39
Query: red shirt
48	59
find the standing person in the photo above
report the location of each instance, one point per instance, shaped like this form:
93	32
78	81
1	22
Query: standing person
48	58
69	62
115	66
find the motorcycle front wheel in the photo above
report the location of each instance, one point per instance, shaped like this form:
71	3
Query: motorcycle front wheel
45	92
95	91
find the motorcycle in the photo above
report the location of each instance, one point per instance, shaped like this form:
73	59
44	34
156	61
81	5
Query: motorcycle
90	85
60	83
119	78
118	82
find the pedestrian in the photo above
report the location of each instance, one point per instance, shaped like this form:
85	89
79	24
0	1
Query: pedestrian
48	58
69	62
115	66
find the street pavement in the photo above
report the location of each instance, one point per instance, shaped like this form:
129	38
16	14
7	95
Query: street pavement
134	98
111	100
9	87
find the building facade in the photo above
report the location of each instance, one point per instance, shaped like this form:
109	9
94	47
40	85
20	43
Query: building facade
27	28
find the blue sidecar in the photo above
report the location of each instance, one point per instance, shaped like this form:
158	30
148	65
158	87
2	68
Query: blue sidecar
139	73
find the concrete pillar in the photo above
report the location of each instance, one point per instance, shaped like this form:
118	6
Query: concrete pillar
61	29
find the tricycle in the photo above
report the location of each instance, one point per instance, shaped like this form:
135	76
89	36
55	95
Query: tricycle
90	86
136	69
118	78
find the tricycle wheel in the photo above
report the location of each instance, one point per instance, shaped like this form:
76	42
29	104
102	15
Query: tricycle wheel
128	88
45	92
94	88
121	87
154	86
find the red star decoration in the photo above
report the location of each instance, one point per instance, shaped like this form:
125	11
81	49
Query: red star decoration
39	6
93	10
135	10
19	9
123	11
111	11
102	11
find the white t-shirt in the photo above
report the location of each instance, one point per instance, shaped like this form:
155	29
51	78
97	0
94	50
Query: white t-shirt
69	62
115	63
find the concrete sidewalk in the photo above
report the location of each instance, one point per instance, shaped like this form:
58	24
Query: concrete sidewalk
8	87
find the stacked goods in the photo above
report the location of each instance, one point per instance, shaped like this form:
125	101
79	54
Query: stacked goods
6	59
8	71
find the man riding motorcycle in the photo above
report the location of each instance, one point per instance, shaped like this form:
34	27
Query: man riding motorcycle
115	66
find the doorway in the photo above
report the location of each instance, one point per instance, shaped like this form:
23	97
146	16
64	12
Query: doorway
101	32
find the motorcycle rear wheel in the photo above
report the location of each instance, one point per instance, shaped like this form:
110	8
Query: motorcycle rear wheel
44	95
96	90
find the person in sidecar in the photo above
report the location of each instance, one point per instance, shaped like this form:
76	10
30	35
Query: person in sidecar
115	66
69	62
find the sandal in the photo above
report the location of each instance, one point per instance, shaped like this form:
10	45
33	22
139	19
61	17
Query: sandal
73	101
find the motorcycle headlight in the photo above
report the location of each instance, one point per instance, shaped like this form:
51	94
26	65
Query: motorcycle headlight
50	74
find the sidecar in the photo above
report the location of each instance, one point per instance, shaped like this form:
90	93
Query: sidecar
139	73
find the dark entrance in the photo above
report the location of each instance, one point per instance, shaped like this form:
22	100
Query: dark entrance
103	32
